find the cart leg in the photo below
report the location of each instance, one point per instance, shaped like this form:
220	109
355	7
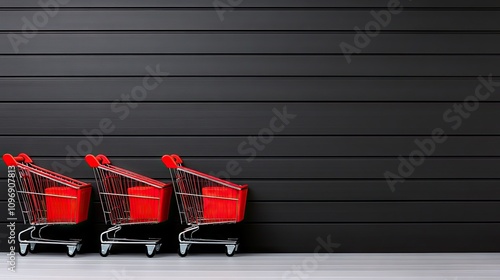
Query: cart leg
150	250
105	248
183	249
71	250
230	250
23	249
32	247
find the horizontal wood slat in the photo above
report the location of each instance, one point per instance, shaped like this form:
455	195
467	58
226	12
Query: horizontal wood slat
292	168
243	65
245	119
244	20
251	43
220	146
253	4
352	190
189	89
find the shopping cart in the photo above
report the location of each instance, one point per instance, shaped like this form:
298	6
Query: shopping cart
205	200
47	198
128	198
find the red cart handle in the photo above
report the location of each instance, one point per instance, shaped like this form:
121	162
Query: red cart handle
177	158
95	161
171	161
10	160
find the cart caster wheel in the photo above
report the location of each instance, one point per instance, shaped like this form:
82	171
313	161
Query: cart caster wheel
182	254
105	249
230	250
151	250
71	251
23	249
31	248
71	254
78	247
104	254
183	250
157	247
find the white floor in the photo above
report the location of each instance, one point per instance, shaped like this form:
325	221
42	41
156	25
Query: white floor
257	266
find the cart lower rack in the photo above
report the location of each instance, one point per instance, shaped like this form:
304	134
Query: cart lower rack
205	200
47	198
128	198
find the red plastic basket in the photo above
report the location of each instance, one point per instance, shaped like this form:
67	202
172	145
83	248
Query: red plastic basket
216	207
147	209
128	197
67	204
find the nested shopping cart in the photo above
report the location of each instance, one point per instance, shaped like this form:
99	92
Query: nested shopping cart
203	199
128	198
47	198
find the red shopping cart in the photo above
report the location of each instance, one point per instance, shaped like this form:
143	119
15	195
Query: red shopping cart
205	200
128	198
47	198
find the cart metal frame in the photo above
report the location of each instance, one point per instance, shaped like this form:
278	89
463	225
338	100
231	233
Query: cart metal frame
188	184
31	181
115	204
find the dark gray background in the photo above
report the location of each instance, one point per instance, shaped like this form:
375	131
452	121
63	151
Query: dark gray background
324	174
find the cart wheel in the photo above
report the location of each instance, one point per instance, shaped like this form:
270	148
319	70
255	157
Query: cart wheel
157	247
230	250
71	254
23	249
183	249
71	251
78	247
105	249
151	250
31	248
104	254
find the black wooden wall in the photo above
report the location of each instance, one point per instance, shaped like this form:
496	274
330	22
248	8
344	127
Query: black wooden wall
223	74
